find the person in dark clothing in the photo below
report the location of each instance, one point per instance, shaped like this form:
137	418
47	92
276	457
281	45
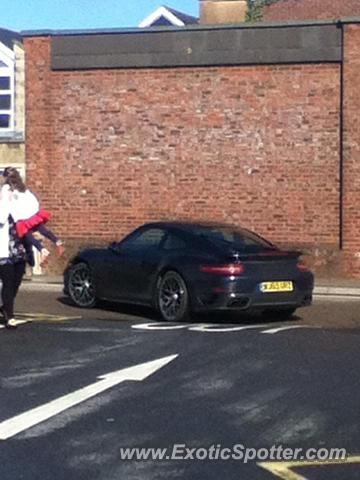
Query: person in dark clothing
12	264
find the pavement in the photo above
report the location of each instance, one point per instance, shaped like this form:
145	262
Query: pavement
341	287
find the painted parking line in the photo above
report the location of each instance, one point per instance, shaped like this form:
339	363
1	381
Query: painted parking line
216	327
195	327
288	327
284	470
158	326
44	317
16	323
19	322
23	318
221	329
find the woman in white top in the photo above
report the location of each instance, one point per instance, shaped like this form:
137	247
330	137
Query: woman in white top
27	214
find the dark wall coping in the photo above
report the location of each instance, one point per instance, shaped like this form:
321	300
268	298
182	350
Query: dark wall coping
245	25
197	45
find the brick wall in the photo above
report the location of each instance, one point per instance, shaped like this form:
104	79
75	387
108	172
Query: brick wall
110	149
351	261
311	9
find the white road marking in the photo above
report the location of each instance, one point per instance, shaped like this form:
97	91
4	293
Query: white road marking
217	327
28	419
197	327
19	322
288	327
208	327
158	326
22	318
16	322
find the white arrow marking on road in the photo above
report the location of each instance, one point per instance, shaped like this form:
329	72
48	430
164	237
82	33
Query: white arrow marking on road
28	419
289	327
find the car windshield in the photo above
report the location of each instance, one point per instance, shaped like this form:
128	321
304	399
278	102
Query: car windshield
236	239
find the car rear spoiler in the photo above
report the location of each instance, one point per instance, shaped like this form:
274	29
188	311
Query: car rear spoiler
267	255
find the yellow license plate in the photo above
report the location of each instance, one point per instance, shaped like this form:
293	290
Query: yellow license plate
267	287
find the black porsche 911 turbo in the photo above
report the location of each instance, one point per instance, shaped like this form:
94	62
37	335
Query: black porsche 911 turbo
179	268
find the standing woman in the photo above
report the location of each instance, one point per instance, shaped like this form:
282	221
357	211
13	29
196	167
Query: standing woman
12	263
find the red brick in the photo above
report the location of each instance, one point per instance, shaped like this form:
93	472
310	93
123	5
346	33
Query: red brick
258	146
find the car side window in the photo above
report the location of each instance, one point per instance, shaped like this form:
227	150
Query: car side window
173	242
150	238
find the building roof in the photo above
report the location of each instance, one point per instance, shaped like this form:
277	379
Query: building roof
165	16
187	19
8	37
311	10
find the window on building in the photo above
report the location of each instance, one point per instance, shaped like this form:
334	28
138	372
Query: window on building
7	75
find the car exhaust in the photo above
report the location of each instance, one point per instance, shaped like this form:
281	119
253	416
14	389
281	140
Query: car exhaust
239	303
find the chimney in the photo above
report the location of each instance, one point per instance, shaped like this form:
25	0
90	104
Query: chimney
222	11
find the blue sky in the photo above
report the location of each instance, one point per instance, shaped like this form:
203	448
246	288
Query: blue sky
21	15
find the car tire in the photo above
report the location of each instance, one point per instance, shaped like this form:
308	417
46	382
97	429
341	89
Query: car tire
172	297
80	286
280	313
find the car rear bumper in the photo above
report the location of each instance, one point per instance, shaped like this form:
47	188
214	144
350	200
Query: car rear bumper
240	301
246	295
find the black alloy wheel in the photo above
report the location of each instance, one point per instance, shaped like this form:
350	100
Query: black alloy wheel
172	297
80	285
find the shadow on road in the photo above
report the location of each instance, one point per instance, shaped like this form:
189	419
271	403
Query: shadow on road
147	313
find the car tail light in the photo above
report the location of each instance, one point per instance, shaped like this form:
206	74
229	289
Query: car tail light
302	267
229	269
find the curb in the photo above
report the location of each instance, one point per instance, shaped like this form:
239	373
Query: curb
320	290
41	286
337	291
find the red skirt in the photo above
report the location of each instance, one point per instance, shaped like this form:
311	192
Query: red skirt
24	226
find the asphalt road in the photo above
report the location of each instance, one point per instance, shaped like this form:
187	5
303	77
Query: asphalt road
256	382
